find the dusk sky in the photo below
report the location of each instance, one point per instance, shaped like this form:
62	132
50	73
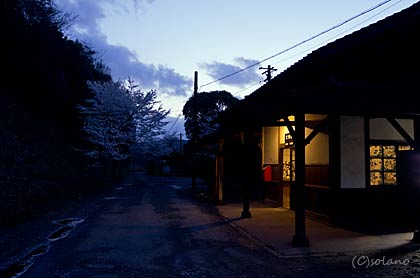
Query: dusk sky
160	43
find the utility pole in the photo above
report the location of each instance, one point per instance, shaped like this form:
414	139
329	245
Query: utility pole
180	143
194	135
267	72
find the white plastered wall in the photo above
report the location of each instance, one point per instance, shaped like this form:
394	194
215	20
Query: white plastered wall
352	152
381	129
317	152
270	145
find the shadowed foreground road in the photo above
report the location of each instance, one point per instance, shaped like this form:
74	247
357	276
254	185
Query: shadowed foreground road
152	227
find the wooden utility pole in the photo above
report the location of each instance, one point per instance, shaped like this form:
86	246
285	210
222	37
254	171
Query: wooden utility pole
194	135
180	143
267	72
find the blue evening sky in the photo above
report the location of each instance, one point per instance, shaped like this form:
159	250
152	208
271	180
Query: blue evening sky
160	43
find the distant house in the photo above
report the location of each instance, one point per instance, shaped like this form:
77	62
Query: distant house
335	126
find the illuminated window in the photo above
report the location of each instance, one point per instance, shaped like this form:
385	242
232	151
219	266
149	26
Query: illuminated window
289	164
383	164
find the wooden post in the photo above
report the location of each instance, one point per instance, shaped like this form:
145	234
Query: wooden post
245	161
334	167
300	239
218	191
416	124
416	232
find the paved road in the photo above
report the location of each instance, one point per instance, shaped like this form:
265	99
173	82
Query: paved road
152	227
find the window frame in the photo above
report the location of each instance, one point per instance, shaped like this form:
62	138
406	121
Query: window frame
398	146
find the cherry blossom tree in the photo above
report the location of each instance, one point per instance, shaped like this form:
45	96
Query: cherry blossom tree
149	115
118	115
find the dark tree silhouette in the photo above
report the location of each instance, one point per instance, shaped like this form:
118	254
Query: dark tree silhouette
43	69
209	105
44	77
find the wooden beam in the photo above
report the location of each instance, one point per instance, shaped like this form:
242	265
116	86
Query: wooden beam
289	126
316	130
402	131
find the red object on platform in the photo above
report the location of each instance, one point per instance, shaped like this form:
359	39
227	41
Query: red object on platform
267	173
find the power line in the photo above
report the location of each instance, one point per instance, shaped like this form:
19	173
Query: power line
298	44
320	44
335	36
244	89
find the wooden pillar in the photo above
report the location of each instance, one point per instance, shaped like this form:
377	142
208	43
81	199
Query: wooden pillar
245	182
334	167
218	189
300	239
416	133
416	120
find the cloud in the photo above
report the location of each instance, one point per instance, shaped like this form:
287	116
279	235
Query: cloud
122	61
124	64
218	70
